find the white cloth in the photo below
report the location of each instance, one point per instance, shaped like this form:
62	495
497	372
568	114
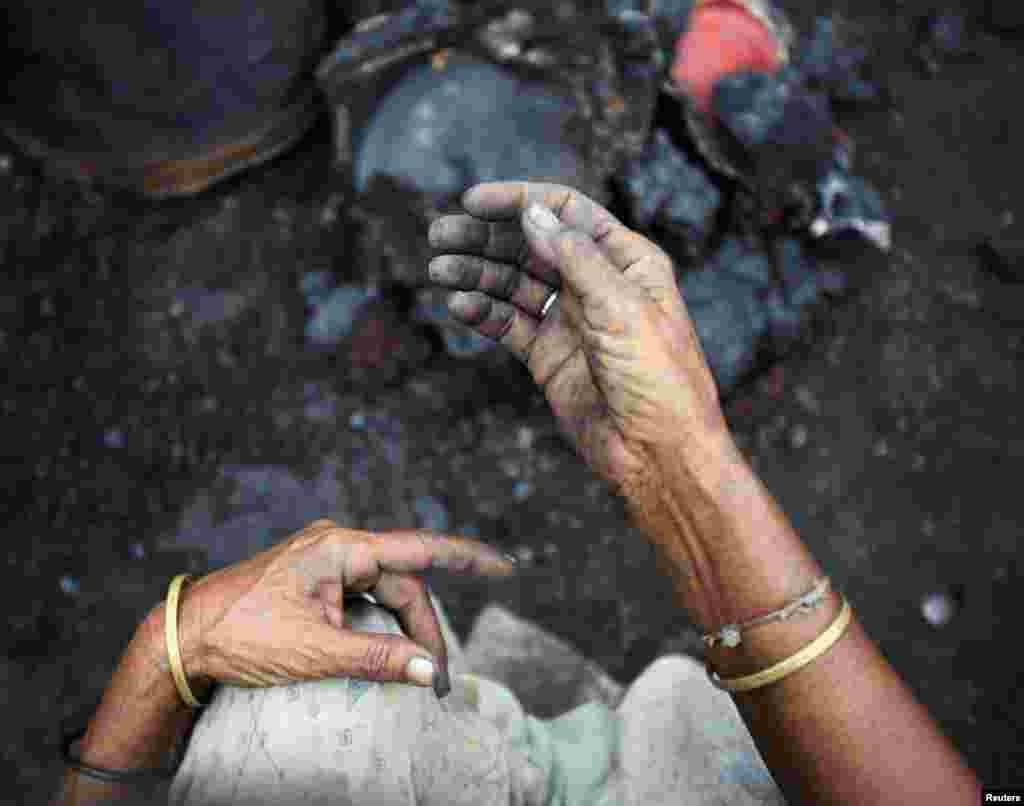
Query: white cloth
674	739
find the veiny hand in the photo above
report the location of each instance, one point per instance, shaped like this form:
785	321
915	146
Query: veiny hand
278	617
616	356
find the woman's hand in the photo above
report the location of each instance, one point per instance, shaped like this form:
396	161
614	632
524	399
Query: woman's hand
616	356
278	617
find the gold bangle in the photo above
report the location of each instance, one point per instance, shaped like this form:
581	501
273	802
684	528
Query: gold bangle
171	633
819	646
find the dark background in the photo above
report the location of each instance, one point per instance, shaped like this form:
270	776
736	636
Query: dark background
892	437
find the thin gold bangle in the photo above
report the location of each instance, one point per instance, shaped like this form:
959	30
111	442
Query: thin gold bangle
171	634
819	646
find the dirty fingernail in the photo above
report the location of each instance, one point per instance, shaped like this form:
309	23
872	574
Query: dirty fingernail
442	684
421	671
542	218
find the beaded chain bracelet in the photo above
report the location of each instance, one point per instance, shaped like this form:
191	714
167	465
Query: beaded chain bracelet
729	635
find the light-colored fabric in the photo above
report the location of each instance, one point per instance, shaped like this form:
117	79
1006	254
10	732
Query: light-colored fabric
345	741
547	674
674	739
683	742
570	758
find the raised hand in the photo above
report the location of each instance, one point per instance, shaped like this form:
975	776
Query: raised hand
616	356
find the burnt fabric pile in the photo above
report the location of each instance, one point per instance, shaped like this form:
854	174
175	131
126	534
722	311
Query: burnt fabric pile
709	126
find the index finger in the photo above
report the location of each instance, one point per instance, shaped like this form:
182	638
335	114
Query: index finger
412	550
499	201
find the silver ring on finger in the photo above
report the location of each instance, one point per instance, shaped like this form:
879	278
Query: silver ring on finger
548	303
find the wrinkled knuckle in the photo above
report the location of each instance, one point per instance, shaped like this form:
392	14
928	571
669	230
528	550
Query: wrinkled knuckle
359	560
367	540
570	198
464	562
323	523
376	661
604	227
429	545
411	589
570	245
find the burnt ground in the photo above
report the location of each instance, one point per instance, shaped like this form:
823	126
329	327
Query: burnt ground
891	437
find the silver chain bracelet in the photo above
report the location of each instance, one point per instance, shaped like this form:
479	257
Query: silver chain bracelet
729	635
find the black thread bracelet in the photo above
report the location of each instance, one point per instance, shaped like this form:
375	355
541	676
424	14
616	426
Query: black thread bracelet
104	774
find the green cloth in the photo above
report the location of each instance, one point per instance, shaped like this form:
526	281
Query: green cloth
576	751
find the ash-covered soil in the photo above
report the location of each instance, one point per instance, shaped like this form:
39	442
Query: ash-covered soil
141	420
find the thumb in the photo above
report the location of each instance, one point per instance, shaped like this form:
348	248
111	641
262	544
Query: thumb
380	657
578	260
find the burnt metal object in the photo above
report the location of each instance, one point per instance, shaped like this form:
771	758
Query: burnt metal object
163	97
605	66
383	34
702	129
445	131
773	133
596	77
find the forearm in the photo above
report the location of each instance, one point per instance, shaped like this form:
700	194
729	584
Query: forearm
139	723
844	729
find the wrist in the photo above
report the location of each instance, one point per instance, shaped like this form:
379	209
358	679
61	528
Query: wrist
141	719
676	503
190	644
720	537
